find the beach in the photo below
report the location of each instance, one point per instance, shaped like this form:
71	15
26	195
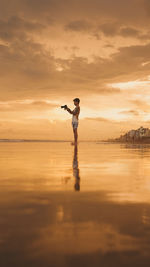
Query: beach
66	206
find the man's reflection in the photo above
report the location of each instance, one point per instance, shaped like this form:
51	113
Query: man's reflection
76	169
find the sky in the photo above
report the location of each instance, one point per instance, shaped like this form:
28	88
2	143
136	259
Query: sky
52	51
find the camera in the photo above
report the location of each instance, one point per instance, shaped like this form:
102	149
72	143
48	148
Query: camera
65	106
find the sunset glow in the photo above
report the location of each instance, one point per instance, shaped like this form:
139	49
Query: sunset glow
74	133
52	52
132	84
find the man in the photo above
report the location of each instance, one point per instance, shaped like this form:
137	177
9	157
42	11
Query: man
75	118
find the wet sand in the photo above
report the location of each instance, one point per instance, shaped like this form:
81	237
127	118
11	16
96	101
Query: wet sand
61	206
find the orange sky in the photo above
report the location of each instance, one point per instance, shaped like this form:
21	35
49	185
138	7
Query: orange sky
52	51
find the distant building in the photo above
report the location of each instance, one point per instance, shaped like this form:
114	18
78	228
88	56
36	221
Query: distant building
131	133
134	135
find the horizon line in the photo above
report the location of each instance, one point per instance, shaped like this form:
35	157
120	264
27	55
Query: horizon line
43	140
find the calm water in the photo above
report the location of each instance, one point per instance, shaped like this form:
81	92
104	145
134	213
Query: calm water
61	206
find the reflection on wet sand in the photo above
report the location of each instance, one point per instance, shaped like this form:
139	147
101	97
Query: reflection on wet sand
43	222
76	170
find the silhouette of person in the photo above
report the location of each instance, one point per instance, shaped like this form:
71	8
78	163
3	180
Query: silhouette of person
76	170
75	118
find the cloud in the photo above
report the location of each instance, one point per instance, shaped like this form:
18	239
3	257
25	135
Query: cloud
109	29
94	9
130	112
17	27
131	11
129	32
28	65
59	49
95	29
142	105
78	25
99	119
27	58
116	29
26	106
39	69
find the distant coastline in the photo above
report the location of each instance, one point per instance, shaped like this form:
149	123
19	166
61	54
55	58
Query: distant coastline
139	136
143	140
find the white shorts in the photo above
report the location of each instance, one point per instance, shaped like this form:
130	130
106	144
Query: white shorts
75	124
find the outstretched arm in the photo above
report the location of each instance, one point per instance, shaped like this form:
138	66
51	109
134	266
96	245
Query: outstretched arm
74	112
69	110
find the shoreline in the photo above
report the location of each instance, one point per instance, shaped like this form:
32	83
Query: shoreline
142	141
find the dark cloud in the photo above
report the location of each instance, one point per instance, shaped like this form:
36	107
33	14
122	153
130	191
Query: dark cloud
17	27
78	25
116	29
28	69
109	29
61	10
30	64
26	57
129	32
